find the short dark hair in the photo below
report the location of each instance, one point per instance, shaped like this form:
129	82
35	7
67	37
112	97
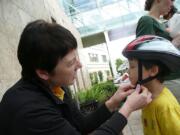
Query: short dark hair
41	45
163	70
148	64
171	12
148	5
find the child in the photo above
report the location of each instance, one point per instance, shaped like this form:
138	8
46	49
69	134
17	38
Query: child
151	59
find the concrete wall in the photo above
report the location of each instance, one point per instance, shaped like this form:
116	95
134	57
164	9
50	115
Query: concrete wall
14	15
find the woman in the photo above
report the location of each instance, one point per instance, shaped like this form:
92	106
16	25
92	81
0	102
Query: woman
39	103
150	24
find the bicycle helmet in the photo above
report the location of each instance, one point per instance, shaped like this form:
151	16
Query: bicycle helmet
150	47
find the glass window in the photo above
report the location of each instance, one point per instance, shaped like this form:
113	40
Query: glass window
93	57
104	58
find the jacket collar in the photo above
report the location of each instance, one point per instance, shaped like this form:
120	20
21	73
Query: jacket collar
45	88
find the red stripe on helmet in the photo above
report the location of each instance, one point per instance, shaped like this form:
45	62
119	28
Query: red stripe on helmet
138	41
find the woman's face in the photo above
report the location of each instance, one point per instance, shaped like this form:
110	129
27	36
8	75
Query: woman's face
165	6
65	71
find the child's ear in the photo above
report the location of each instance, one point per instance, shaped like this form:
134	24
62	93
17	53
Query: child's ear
43	74
154	70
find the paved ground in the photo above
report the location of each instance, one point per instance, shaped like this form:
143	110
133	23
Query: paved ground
134	126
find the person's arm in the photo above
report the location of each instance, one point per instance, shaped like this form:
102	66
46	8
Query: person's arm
46	120
138	99
122	92
35	118
90	122
96	118
39	119
145	26
113	126
176	41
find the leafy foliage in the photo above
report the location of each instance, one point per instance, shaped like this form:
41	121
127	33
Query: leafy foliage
118	63
94	78
99	92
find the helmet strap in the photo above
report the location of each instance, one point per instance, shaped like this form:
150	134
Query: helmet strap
140	72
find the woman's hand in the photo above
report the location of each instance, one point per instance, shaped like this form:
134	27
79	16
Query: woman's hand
176	41
137	100
123	91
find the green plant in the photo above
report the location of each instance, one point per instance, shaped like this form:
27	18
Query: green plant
118	63
94	78
104	90
99	92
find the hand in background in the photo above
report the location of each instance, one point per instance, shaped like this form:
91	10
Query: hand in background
176	41
125	76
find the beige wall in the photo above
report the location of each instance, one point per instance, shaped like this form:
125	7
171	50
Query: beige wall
14	15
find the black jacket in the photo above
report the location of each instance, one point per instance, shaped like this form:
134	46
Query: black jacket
29	108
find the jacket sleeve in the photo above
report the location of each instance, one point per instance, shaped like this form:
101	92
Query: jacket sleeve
87	123
90	122
113	126
32	120
37	119
145	26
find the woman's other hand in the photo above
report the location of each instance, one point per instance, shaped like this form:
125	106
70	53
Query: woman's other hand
123	91
137	100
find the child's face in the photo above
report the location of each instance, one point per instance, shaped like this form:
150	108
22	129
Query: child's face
133	71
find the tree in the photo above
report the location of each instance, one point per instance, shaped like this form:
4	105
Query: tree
118	63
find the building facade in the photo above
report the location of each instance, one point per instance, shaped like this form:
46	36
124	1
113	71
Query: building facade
14	15
97	63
